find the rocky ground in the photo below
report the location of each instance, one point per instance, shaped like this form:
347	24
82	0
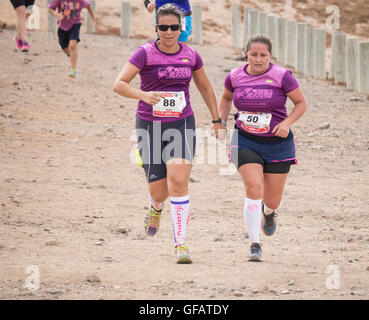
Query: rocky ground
72	202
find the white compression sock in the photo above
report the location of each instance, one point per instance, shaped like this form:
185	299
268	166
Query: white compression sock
180	207
252	215
157	205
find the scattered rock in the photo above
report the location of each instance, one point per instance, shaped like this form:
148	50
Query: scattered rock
106	259
93	279
355	293
265	290
291	282
355	99
255	291
324	125
221	288
194	179
285	292
55	291
15	83
238	294
122	230
51	243
140	237
317	147
7	114
217	239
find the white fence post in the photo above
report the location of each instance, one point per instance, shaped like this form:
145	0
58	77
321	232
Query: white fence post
282	35
262	23
364	67
292	44
197	24
89	25
310	52
340	58
51	20
352	63
272	33
246	26
236	26
254	21
320	54
126	20
301	46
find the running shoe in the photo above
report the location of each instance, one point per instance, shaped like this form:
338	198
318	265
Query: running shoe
19	43
269	222
255	252
72	73
183	255
25	46
152	221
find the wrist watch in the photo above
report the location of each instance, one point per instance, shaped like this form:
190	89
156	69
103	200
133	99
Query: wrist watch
220	121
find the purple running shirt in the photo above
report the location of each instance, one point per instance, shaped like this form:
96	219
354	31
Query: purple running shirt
72	11
260	100
161	71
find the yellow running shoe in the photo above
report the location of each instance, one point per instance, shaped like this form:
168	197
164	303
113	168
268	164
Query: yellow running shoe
183	255
152	221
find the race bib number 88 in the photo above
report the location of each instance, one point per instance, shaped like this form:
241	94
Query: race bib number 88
171	105
255	122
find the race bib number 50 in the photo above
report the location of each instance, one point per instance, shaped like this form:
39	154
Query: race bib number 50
255	122
171	105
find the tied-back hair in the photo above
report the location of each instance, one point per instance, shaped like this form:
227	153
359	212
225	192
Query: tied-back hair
167	10
258	38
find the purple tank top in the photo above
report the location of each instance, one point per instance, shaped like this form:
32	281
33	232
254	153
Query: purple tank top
160	71
265	93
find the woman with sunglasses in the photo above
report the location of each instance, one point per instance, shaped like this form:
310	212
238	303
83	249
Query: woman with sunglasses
183	6
165	124
262	146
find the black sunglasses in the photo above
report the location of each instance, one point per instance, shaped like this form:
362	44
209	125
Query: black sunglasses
165	27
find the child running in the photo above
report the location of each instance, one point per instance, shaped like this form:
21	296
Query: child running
69	24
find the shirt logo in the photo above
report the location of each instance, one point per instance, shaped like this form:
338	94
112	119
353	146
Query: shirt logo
172	73
185	60
269	81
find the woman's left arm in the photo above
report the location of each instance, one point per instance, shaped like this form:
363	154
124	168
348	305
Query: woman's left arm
282	129
206	90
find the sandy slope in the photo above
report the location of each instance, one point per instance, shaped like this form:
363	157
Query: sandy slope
72	203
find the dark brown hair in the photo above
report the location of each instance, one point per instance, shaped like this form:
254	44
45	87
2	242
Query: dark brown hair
258	38
168	9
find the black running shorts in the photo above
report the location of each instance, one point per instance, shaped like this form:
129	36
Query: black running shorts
66	36
18	3
160	142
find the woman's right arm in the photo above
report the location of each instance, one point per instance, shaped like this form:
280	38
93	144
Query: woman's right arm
225	104
122	86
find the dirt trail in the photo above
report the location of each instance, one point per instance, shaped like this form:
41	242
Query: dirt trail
72	203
